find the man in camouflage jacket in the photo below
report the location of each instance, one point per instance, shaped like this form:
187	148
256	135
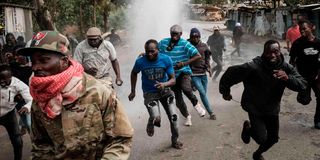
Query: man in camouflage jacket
74	116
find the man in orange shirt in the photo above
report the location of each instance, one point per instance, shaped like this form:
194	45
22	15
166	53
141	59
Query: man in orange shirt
293	33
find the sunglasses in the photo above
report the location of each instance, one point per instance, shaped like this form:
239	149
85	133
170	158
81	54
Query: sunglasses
93	39
151	51
175	33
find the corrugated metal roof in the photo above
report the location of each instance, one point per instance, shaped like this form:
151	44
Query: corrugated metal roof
316	9
309	5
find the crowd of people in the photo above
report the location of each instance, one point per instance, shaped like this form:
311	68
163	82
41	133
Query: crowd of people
68	93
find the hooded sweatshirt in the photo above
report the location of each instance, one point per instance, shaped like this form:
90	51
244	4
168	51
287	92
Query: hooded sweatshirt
262	91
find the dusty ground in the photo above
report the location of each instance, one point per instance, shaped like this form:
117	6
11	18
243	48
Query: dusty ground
208	139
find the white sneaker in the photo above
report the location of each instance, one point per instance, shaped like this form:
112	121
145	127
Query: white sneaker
188	121
200	110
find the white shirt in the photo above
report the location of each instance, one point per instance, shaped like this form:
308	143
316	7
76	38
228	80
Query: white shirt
7	95
99	58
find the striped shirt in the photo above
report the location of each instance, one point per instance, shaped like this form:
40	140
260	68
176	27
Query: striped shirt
181	52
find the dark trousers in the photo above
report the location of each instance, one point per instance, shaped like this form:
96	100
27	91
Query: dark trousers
166	98
237	46
217	57
264	130
304	97
183	84
10	122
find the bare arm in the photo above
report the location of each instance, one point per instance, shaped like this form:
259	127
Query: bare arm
133	79
116	68
171	82
192	59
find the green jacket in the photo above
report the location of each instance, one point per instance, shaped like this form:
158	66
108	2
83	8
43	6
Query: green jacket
93	127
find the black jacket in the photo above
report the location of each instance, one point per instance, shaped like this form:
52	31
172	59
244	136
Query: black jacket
262	92
200	66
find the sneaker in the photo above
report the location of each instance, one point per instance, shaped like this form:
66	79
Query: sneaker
157	121
150	130
317	125
200	110
245	134
212	116
257	156
177	145
188	121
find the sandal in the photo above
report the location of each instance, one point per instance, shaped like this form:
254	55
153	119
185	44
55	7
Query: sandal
150	130
177	145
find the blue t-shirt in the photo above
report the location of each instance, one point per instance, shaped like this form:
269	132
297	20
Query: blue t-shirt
153	71
181	52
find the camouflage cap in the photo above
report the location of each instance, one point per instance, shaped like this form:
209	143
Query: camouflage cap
47	41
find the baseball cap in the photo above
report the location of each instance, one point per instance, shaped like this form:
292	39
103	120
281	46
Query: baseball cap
47	41
93	31
176	28
238	24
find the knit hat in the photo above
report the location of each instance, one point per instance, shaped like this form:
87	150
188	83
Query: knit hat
176	28
47	41
194	31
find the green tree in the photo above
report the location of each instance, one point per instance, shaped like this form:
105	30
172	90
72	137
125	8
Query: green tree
56	14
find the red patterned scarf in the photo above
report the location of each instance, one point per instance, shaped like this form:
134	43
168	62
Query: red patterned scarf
52	92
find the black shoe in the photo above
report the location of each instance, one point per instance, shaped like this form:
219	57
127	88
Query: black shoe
245	134
317	125
177	145
150	129
157	122
257	156
212	116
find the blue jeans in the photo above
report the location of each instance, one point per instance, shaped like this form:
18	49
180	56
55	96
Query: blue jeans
201	83
25	119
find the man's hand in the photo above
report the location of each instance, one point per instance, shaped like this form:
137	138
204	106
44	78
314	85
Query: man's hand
92	71
209	70
159	85
227	97
119	81
280	74
18	98
23	110
179	65
131	96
